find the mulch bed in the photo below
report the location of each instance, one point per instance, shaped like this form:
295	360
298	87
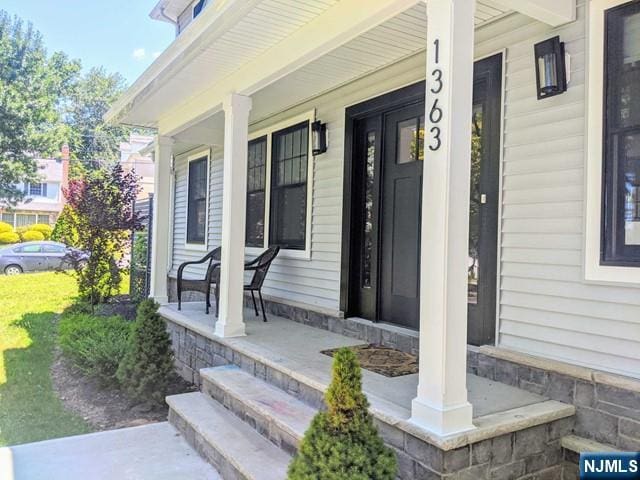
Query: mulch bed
383	360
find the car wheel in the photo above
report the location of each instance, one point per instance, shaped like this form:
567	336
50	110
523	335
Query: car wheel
13	270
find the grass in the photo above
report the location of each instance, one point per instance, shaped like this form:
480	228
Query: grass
29	408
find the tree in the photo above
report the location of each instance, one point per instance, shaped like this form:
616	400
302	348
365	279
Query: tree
31	88
343	443
92	141
98	221
146	369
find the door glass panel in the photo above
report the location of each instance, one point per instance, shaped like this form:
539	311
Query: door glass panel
475	203
367	234
410	140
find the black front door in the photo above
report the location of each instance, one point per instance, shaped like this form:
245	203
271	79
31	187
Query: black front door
383	183
400	216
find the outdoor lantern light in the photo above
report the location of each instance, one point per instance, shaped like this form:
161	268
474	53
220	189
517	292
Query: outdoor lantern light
551	69
319	137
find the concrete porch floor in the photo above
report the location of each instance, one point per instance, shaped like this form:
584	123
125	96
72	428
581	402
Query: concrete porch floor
154	451
295	348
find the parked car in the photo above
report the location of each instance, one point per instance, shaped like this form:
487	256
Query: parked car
38	257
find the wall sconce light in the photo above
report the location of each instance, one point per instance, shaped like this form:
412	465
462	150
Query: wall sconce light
318	137
551	68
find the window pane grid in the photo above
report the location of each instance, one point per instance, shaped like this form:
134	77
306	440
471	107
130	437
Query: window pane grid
256	184
621	207
289	187
197	198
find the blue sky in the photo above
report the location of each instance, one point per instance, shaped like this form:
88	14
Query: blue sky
117	34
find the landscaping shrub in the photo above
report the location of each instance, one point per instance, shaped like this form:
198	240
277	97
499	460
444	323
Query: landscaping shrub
5	227
43	228
7	238
99	220
64	230
95	344
147	368
31	236
343	443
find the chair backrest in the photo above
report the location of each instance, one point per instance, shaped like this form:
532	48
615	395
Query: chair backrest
260	266
214	257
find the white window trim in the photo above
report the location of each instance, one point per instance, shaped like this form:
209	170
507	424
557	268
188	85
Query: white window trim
593	270
201	247
269	131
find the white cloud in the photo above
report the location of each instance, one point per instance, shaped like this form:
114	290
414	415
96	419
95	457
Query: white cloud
139	53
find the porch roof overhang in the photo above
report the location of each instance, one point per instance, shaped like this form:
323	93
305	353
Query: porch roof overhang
250	46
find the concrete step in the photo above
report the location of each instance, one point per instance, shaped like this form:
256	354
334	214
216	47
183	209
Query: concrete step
274	413
235	449
577	444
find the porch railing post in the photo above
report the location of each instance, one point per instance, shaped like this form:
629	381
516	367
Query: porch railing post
441	405
230	321
163	152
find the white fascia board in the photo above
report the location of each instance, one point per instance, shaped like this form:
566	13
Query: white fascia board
336	26
213	22
551	12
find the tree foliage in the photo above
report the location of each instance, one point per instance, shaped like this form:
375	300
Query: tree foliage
147	368
98	220
343	443
93	141
32	87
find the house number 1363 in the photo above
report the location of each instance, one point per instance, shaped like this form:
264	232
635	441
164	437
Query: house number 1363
436	114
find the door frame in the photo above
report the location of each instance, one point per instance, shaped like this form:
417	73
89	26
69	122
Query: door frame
395	99
405	96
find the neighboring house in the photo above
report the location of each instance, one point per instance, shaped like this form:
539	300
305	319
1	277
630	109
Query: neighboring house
43	200
135	157
513	154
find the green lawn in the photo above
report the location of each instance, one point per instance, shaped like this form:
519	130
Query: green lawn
29	408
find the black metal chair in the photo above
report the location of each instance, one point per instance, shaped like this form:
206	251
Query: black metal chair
260	267
201	285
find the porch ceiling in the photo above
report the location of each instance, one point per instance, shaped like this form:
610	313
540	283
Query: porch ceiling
225	40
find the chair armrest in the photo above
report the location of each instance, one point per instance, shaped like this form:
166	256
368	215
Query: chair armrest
185	264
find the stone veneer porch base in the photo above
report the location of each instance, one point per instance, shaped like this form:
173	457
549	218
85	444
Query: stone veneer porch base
607	405
527	449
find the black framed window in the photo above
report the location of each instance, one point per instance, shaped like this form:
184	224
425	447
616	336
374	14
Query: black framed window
621	186
197	8
288	209
197	201
256	183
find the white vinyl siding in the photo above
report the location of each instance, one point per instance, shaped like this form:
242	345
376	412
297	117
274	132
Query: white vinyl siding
545	306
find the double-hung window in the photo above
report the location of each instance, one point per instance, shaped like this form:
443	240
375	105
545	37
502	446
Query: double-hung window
256	191
277	191
37	189
289	162
620	242
197	200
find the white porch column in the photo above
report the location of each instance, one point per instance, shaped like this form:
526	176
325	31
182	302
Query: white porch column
441	405
230	321
163	154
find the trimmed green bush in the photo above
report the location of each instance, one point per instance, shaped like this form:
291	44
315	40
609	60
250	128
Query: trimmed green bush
43	228
31	236
5	227
7	238
95	344
343	443
147	368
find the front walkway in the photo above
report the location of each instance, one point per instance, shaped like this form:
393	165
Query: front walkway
154	451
